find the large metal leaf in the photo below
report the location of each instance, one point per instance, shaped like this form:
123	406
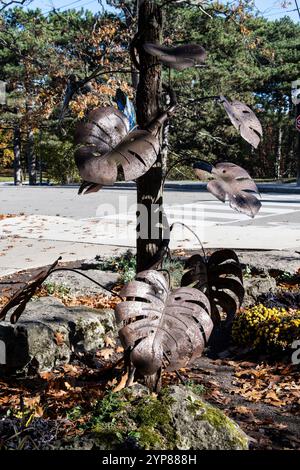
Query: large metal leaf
105	144
180	57
244	120
220	278
23	295
233	183
162	326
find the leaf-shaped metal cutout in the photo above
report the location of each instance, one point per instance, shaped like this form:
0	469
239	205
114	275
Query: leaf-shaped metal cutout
244	120
180	57
23	295
220	278
105	144
162	326
232	182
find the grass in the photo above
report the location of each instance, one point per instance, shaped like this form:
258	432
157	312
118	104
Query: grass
6	179
125	265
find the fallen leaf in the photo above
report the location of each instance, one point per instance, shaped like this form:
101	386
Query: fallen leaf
121	384
109	341
105	353
31	402
59	338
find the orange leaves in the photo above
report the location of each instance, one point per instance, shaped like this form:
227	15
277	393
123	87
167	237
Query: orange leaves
277	385
97	301
59	338
101	95
7	216
121	384
105	353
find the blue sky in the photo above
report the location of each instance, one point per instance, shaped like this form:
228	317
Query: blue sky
271	9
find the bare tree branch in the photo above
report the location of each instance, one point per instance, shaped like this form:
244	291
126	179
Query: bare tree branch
10	3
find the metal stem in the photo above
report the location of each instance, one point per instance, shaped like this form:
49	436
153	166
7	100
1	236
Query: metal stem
87	277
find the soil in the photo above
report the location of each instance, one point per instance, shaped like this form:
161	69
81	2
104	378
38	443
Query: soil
261	393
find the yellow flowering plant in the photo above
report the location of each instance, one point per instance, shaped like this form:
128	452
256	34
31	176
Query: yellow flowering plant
260	326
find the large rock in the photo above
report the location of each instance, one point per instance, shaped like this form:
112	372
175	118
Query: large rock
79	285
257	287
48	332
178	419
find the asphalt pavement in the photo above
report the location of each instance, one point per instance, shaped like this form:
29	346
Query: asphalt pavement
54	221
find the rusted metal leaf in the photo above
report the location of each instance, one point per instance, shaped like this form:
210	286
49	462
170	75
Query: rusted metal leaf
23	295
178	58
244	120
162	328
220	278
233	183
105	144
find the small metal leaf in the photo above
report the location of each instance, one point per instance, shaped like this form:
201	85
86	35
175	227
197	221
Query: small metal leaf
105	144
244	120
162	327
178	58
220	278
23	295
233	182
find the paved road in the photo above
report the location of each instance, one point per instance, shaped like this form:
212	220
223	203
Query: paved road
53	221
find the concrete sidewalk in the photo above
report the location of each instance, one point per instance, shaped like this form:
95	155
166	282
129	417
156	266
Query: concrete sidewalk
54	221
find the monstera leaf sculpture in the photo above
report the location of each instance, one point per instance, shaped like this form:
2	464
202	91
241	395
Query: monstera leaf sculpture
220	278
232	182
23	295
244	120
104	144
162	326
178	58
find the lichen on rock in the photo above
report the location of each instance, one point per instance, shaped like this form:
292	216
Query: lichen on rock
176	419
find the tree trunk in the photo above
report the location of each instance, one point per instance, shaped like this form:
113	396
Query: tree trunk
31	158
279	154
298	147
17	156
149	186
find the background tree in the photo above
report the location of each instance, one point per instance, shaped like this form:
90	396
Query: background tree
40	57
254	61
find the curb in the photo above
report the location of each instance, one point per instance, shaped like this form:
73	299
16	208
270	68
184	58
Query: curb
177	186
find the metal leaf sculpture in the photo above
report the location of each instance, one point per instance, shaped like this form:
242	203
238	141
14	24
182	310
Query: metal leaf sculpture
105	143
178	58
162	328
23	295
244	120
220	278
232	182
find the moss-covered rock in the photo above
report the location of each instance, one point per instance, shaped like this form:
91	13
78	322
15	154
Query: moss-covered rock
202	426
32	345
176	419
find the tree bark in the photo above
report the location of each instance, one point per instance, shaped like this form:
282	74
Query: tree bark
17	156
279	154
149	186
298	147
31	158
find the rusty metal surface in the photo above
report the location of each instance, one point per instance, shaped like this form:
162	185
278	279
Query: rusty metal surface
164	328
23	295
233	183
220	278
244	120
105	144
178	58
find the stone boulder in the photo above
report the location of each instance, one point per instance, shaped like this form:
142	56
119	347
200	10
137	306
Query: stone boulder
177	419
257	287
48	332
